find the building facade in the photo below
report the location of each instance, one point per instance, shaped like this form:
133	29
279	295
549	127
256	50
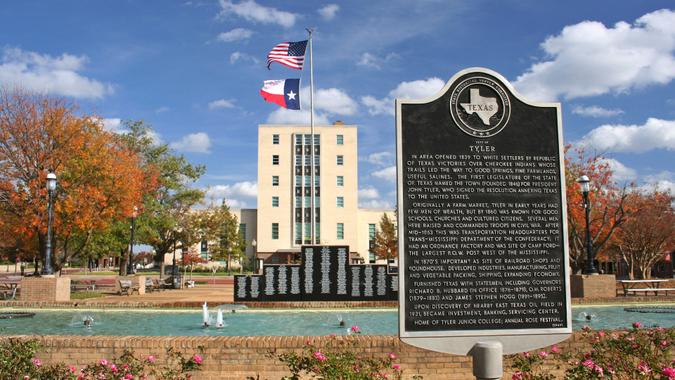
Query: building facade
281	224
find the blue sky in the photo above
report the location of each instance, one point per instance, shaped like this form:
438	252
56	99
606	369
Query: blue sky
193	70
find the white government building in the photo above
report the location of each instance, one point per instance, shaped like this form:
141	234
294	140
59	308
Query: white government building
275	231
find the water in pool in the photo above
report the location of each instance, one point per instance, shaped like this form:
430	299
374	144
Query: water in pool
266	322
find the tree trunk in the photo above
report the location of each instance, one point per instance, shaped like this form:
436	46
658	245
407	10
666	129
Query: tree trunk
123	262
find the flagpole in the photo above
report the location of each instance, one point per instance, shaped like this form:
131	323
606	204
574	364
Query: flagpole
311	124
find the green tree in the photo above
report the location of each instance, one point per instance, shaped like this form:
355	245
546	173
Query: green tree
386	240
166	216
228	243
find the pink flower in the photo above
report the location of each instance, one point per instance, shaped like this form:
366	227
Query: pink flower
643	368
517	376
586	328
36	362
396	366
197	359
26	377
601	334
356	329
670	372
555	349
150	359
588	363
637	325
526	354
319	356
392	356
543	354
664	343
599	370
113	368
72	369
103	362
128	376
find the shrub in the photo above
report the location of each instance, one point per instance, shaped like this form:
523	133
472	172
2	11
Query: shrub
336	360
18	361
637	353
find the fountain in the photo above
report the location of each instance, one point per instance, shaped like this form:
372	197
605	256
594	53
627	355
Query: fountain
205	314
219	319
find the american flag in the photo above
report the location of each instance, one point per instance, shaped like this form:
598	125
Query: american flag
289	54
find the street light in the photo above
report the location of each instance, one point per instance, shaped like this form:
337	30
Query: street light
254	244
585	185
130	264
173	263
51	186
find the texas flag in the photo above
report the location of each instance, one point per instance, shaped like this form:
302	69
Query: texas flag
284	92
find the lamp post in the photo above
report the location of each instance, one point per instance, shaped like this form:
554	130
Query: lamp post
130	263
585	185
254	244
173	262
51	186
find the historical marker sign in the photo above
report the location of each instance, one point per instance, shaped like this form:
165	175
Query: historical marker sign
482	225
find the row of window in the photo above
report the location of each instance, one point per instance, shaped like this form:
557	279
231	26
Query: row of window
340	160
339	180
339	201
340	230
340	139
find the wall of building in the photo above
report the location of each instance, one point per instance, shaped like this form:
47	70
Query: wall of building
239	357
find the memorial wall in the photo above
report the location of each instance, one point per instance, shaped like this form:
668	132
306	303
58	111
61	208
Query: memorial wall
324	274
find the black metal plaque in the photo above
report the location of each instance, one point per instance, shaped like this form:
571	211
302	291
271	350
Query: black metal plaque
482	211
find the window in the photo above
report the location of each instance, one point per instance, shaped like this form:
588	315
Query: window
340	180
340	231
317	180
308	180
308	160
275	139
275	201
275	159
317	139
298	139
371	231
298	180
275	231
242	230
298	160
308	202
340	140
308	139
275	180
340	160
340	201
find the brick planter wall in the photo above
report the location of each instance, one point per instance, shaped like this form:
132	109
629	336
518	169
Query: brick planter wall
239	357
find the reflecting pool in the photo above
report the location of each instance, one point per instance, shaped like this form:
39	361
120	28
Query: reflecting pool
268	322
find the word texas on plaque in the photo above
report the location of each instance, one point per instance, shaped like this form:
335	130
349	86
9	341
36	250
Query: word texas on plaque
481	210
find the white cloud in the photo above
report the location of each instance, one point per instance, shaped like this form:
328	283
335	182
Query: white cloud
370	60
239	56
329	11
417	89
193	143
113	125
162	109
621	173
387	174
252	11
236	34
46	74
380	158
327	102
595	111
376	204
221	103
588	59
236	195
654	134
368	193
286	116
333	101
